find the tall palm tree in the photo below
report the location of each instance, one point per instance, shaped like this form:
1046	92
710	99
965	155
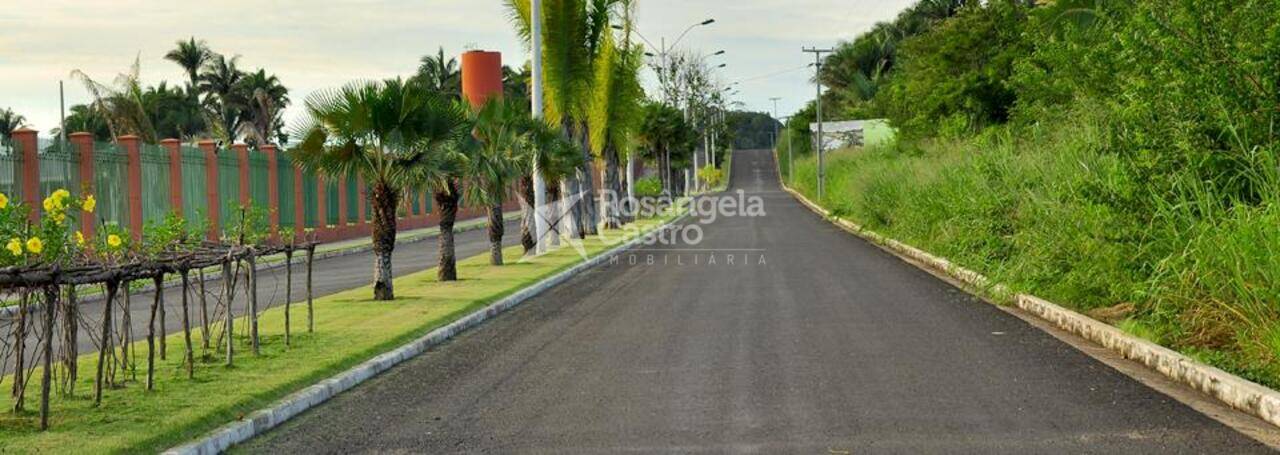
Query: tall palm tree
663	130
264	98
613	115
391	133
495	163
440	74
191	55
120	103
220	83
10	121
572	34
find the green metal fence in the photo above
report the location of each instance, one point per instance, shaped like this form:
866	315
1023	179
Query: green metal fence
331	201
59	169
195	197
310	199
228	187
111	166
10	169
259	181
156	203
287	188
353	200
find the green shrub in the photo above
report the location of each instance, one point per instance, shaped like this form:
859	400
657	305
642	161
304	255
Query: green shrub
648	187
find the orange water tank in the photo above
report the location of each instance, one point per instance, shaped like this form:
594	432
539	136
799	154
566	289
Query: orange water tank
481	76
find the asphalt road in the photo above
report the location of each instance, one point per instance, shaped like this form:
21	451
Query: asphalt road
827	345
330	275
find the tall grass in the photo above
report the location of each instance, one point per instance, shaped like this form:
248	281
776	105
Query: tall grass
1048	211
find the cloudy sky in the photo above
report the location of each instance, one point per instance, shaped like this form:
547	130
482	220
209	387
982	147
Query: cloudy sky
312	44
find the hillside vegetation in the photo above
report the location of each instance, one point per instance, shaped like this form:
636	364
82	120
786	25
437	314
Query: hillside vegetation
1118	157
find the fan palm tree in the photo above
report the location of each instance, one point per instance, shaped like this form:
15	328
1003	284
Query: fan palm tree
495	163
10	121
391	133
220	82
191	55
265	98
557	159
662	131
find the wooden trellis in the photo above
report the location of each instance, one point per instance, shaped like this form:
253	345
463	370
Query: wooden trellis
51	291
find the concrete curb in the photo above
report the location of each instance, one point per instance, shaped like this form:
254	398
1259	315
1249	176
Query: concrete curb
1234	391
265	419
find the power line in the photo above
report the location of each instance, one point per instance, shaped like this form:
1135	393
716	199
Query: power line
774	74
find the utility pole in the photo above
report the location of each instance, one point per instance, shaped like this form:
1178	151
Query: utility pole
776	121
817	82
540	214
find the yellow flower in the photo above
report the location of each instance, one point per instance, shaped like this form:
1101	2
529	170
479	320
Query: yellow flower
48	204
79	239
89	203
114	241
14	247
61	194
4	201
35	245
59	216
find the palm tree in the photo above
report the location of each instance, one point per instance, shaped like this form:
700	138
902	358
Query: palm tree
440	74
191	55
220	83
120	104
573	31
613	115
663	130
497	160
557	159
172	111
393	134
264	99
10	121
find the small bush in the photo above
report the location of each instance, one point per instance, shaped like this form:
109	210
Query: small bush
648	187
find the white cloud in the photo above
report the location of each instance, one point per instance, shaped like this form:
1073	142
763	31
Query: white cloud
317	44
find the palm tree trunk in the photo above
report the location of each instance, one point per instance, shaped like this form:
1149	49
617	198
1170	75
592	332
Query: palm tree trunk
496	230
556	223
384	200
570	212
613	189
447	200
527	213
590	219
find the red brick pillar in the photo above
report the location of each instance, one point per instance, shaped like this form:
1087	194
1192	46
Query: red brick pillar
83	143
30	147
242	156
174	147
133	149
342	202
299	211
273	188
214	202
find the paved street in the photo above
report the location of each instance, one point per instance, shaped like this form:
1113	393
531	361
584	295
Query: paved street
799	338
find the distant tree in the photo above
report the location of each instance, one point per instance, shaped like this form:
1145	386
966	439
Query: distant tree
264	100
441	74
220	84
84	118
191	55
10	121
173	112
120	104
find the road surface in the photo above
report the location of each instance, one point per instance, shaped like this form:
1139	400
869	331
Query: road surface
826	345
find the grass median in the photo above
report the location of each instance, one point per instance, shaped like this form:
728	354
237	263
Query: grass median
349	328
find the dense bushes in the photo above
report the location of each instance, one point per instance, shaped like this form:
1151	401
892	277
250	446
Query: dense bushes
1121	157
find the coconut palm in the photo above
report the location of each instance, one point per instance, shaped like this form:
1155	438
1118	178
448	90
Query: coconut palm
191	55
440	74
265	98
391	133
572	34
495	163
663	131
220	82
120	104
613	115
10	121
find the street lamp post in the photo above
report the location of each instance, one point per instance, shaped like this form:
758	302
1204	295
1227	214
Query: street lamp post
817	82
775	120
539	184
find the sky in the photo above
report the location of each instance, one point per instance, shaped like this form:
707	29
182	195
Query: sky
315	44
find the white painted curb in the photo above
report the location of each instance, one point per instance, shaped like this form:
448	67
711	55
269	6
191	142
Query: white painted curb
265	419
1239	393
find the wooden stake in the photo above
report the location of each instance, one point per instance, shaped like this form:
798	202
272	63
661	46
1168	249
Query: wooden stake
311	256
251	285
228	291
112	286
204	311
186	326
46	380
288	290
